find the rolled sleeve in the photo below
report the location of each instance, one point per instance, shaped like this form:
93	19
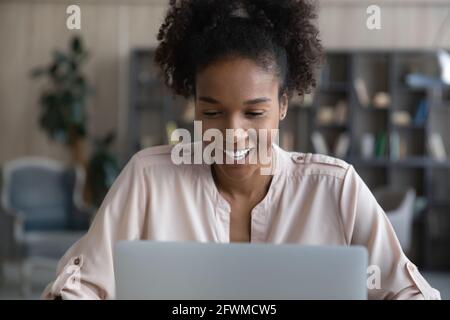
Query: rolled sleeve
86	270
366	223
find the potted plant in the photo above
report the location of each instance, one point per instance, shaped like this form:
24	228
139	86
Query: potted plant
63	103
64	118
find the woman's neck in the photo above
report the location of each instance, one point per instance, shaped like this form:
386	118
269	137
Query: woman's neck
253	187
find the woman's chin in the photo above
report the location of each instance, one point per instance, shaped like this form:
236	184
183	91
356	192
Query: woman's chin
237	171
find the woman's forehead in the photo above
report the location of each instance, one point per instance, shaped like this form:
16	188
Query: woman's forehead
238	77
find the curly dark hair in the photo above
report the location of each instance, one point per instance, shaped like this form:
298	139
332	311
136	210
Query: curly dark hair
276	34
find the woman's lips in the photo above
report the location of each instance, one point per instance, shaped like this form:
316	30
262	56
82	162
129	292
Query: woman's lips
237	155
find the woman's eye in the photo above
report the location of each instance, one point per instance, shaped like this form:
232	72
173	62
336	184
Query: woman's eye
211	113
255	113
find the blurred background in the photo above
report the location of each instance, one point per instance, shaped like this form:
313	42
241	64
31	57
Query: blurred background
76	104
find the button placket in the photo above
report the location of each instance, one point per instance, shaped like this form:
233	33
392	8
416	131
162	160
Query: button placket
258	222
223	210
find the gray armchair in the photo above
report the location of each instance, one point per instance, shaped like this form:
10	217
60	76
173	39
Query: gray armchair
41	213
399	207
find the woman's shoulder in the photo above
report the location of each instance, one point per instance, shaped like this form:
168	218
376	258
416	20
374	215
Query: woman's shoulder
153	154
163	160
305	164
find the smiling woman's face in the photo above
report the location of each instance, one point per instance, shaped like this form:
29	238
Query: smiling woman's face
236	93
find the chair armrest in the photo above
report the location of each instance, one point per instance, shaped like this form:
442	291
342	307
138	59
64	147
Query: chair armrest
84	209
82	217
83	213
11	232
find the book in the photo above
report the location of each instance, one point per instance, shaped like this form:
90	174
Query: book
361	92
340	112
444	62
421	113
319	143
437	148
395	145
367	145
380	145
342	145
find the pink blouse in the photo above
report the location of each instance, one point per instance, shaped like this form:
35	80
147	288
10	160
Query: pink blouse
313	200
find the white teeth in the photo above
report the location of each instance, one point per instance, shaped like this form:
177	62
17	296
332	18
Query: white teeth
238	155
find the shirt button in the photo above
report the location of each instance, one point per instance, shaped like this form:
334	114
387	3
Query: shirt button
76	261
298	157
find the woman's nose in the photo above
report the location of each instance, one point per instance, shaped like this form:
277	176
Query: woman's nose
237	130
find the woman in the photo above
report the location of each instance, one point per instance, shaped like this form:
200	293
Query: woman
240	61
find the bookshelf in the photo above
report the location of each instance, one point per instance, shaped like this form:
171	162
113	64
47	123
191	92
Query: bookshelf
388	143
151	106
406	158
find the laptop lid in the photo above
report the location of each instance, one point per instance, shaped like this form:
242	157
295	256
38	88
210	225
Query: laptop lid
238	271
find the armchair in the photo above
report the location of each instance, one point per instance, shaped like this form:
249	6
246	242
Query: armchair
41	213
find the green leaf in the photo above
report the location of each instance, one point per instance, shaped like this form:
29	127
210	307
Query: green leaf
60	57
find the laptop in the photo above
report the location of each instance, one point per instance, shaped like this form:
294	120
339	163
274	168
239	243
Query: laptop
238	271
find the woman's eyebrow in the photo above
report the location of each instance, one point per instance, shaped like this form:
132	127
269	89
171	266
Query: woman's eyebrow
247	102
208	100
256	101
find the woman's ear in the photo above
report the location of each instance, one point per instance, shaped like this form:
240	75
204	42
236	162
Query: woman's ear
283	106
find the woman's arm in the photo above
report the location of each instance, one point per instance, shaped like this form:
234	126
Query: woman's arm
366	224
86	270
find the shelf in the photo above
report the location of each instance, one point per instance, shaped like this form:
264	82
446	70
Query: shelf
294	107
441	107
439	203
402	88
410	162
408	127
439	164
373	162
331	126
407	162
372	109
334	87
405	88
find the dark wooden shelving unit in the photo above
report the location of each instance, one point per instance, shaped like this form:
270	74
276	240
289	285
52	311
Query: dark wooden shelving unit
152	106
385	71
